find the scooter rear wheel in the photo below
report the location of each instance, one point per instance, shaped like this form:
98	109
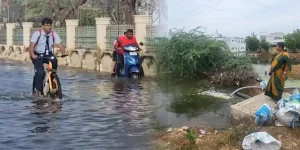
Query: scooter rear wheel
134	76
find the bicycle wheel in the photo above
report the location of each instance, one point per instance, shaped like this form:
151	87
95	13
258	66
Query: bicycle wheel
56	85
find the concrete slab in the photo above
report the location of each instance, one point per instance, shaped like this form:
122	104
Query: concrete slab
248	107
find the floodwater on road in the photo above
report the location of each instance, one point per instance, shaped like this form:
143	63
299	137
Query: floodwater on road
97	112
100	112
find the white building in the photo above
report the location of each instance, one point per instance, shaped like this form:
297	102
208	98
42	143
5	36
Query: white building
273	38
236	44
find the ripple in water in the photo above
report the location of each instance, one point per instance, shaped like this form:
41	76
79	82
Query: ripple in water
96	112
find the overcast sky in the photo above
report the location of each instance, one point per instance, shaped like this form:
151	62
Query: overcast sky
237	18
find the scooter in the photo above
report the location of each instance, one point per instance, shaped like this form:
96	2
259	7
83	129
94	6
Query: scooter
131	66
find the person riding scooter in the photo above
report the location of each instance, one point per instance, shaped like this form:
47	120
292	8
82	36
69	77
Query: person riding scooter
128	39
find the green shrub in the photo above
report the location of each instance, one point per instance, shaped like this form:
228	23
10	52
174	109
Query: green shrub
193	54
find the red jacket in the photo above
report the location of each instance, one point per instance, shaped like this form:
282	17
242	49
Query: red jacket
123	41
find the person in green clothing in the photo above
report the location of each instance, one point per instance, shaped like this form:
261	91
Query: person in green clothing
280	70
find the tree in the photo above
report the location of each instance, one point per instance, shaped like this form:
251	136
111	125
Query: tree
121	11
129	10
252	43
264	45
58	10
292	41
13	11
87	17
62	12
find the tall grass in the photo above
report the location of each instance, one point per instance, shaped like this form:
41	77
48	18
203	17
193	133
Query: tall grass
193	54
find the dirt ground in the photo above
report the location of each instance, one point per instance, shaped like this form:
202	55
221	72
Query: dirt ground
295	72
230	139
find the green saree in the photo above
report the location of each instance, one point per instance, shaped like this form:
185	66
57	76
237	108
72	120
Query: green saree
276	83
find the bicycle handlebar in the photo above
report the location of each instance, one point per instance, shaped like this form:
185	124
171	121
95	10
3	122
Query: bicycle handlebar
52	57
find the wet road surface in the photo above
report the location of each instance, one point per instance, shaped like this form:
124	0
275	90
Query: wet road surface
97	112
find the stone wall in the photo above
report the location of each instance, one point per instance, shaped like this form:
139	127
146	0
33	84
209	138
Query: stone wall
88	47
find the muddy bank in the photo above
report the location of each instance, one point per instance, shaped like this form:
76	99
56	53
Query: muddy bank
230	139
208	138
295	72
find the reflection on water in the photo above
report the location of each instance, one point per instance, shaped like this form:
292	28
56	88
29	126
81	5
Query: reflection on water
46	106
99	112
193	105
184	105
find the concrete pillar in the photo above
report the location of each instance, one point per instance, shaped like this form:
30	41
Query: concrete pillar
10	33
26	33
71	25
101	24
141	22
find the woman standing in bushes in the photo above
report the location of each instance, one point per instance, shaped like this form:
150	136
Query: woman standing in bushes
280	70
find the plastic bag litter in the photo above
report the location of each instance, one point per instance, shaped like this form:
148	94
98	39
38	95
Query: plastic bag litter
296	91
294	106
264	115
295	97
260	141
278	124
282	103
263	85
286	117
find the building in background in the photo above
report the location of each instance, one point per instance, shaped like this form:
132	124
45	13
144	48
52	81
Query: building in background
273	38
236	44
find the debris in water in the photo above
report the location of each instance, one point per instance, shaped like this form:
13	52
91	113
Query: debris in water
170	130
184	128
202	131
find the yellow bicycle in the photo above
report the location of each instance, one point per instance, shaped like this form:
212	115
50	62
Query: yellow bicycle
51	84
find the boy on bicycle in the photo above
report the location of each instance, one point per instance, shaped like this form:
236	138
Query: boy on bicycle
42	45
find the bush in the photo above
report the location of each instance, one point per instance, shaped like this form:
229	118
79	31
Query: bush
193	54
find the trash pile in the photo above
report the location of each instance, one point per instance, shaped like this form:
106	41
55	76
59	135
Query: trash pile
287	113
260	141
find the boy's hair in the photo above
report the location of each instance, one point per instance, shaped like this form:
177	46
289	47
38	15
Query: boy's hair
47	21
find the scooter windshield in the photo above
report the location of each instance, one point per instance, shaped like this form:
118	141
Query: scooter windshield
130	47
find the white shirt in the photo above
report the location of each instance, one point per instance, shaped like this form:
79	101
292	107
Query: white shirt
40	46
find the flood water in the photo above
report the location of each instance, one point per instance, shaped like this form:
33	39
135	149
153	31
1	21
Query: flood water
99	112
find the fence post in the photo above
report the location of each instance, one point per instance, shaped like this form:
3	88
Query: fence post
26	33
10	33
101	24
71	25
141	22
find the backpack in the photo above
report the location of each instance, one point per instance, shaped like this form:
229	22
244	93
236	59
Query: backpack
40	31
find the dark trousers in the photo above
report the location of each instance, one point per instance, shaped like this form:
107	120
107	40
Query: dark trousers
120	59
40	72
